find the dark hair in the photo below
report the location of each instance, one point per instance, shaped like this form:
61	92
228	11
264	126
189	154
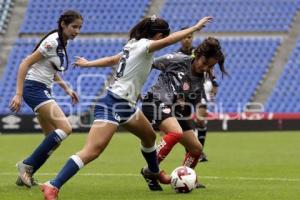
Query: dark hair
211	48
149	27
67	17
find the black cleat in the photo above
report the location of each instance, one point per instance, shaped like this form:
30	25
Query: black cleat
200	186
203	158
151	179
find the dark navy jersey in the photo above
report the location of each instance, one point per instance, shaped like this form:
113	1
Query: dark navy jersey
176	83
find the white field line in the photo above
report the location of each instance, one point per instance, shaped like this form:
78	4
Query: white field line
202	177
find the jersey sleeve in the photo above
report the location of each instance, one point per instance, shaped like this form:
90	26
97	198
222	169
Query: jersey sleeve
161	63
48	47
144	45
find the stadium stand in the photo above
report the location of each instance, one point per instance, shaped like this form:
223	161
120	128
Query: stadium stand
248	59
246	69
87	82
260	27
5	13
233	15
286	94
100	16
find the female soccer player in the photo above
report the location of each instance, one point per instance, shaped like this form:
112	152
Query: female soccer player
178	91
210	87
118	106
36	75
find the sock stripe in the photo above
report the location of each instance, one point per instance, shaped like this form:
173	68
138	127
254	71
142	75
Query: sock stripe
61	134
202	129
148	150
77	160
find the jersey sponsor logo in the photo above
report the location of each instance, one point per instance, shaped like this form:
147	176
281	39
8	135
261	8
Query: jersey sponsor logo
11	122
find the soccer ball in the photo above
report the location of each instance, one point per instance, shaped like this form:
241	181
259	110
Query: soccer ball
183	179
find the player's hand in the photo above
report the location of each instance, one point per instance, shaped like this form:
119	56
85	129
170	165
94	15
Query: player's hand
73	95
80	62
15	103
203	22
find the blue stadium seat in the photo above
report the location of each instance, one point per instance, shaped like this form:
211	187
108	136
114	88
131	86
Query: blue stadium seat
100	16
285	96
5	14
233	15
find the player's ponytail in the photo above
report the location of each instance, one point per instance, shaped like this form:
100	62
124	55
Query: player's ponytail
40	42
149	27
67	17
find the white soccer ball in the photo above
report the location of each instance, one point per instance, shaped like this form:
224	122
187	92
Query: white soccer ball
183	179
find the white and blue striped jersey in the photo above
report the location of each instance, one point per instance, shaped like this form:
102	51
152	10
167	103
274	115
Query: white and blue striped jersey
44	70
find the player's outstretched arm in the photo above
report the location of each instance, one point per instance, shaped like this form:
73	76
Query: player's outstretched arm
177	36
101	62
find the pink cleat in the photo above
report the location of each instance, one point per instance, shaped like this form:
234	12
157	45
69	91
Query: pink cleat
50	192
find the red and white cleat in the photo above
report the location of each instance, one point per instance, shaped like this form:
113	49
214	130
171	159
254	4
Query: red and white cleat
50	192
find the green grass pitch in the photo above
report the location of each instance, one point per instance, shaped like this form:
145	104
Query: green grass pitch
241	166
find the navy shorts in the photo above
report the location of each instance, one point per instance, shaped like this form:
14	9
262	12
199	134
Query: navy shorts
36	94
156	112
113	109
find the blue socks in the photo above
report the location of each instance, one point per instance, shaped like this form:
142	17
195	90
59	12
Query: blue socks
44	150
151	158
73	165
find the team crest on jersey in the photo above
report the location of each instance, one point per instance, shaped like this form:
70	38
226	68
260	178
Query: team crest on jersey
48	46
185	86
